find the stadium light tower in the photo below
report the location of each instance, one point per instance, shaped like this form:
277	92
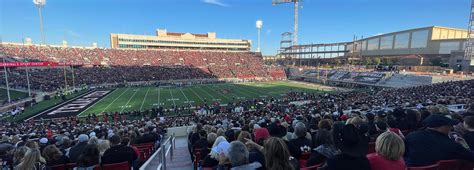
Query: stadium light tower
259	25
296	3
40	4
469	49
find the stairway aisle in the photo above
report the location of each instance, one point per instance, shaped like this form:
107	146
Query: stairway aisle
181	158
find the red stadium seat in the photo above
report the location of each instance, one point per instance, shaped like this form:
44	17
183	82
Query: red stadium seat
449	164
429	167
302	163
314	167
305	156
116	166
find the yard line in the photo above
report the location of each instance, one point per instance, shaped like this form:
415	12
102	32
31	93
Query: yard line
240	91
200	98
80	114
143	102
181	89
251	93
172	98
200	88
219	92
159	90
131	97
114	100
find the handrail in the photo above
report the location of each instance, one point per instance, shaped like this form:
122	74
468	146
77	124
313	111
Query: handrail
161	153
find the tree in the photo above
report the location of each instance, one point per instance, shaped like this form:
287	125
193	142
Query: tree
377	61
367	61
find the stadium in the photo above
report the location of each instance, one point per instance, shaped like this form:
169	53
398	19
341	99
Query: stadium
400	100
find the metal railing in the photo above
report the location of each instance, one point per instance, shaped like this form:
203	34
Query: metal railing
158	158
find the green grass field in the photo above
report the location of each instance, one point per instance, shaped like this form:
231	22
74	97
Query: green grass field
141	98
13	95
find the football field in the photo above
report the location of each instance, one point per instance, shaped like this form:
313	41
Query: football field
142	98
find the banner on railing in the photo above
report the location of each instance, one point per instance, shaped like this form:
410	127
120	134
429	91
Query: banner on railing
39	64
27	64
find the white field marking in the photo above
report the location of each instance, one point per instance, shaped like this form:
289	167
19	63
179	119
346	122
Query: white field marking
172	98
219	93
243	89
240	91
115	100
196	94
110	93
131	97
211	96
159	90
187	100
143	102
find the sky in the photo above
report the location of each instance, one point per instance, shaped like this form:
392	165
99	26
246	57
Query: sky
82	22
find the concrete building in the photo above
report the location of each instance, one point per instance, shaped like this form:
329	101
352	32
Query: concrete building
426	43
173	40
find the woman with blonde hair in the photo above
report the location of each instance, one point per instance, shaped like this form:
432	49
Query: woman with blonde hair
19	154
220	146
389	149
32	161
103	146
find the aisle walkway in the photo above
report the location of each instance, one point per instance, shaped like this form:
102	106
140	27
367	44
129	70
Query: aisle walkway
181	158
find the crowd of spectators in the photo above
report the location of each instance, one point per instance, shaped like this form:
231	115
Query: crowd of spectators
53	79
329	134
372	129
202	64
41	145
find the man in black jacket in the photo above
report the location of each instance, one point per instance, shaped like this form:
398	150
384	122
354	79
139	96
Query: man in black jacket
118	153
76	150
429	146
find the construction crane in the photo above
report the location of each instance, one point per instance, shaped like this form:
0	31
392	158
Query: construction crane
296	3
468	51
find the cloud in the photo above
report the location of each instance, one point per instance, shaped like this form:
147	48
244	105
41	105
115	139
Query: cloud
215	2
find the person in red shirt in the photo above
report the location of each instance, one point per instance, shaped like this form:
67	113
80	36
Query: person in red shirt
389	149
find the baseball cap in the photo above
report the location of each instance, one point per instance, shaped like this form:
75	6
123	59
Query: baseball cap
83	138
43	141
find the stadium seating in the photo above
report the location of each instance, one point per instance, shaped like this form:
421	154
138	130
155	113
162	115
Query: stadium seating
132	65
449	164
429	167
314	167
116	166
